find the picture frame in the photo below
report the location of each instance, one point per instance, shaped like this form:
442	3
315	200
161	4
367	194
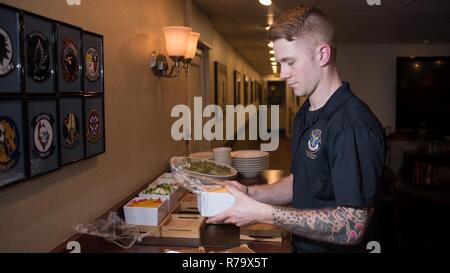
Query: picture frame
93	73
10	51
12	142
69	59
71	129
39	57
220	84
94	120
237	88
39	93
43	137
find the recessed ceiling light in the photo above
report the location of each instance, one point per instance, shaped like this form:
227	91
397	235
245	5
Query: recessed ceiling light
274	63
265	2
272	59
272	52
270	44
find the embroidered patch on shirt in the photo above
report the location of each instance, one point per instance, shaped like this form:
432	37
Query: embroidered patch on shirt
314	143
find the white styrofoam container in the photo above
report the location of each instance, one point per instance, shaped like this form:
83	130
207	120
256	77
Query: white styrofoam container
145	216
212	203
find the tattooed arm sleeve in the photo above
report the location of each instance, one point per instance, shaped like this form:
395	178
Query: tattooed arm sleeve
341	225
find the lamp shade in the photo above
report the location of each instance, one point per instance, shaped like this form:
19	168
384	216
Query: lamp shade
192	45
177	38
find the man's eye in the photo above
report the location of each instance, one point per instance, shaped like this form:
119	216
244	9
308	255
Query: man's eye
291	63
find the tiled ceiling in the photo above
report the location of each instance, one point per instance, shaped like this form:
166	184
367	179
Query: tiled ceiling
242	22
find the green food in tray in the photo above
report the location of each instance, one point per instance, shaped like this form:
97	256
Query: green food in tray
208	168
163	189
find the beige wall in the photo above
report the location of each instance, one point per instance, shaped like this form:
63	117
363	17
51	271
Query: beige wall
38	214
371	71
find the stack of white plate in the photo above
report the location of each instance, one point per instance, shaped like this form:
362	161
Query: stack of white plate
250	163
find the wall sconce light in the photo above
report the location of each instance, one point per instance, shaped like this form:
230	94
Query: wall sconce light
181	46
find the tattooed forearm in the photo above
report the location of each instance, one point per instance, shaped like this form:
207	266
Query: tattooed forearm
341	225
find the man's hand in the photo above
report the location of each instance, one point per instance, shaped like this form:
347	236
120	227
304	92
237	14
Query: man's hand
244	211
237	185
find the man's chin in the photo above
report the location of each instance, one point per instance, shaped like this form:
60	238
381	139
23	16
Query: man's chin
299	92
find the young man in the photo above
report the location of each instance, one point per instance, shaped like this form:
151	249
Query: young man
338	147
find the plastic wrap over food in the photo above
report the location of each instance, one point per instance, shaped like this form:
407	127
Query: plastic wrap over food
113	229
193	182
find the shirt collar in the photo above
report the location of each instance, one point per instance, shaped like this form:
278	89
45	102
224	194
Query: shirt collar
342	94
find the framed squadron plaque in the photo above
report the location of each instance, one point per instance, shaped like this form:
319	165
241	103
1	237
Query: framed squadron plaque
69	60
43	136
9	51
95	125
93	62
12	152
39	57
71	118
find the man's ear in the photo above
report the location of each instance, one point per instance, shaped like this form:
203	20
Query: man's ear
324	55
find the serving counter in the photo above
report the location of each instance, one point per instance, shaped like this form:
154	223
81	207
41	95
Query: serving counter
213	237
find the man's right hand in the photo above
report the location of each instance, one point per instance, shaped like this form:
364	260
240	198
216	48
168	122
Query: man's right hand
237	185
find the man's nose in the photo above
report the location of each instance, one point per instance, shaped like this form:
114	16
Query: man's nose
284	73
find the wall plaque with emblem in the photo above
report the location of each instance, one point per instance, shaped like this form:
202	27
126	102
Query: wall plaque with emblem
93	62
69	59
95	125
12	156
51	94
9	51
71	129
39	57
43	136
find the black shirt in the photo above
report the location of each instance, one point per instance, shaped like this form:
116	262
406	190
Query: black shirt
338	157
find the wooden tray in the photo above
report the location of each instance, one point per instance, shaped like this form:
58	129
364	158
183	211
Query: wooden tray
189	203
240	249
261	238
183	226
261	232
155	231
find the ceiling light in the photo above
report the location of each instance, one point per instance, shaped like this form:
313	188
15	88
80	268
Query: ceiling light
272	59
272	52
265	2
274	63
270	44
